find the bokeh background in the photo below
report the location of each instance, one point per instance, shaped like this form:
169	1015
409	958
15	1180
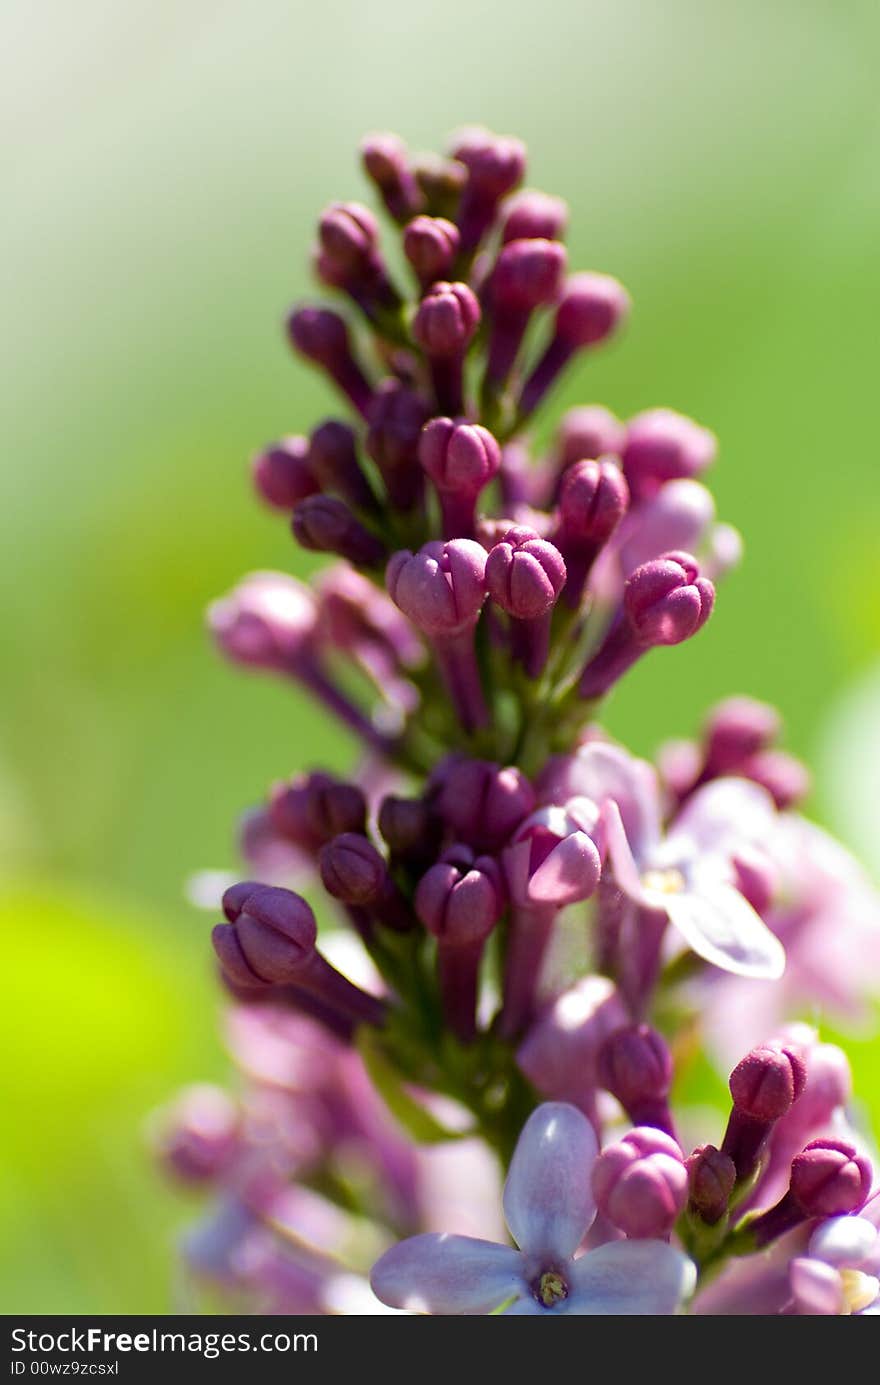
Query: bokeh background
163	164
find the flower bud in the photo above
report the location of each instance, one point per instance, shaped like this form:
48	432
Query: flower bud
461	898
269	938
349	237
738	728
352	870
635	1066
410	827
482	803
321	336
662	445
446	319
830	1179
525	574
782	775
460	458
431	243
396	418
588	432
312	809
282	474
441	588
325	524
385	161
711	1176
593	498
768	1081
552	859
200	1134
534	215
333	460
440	182
527	275
640	1183
666	601
495	165
267	621
591	308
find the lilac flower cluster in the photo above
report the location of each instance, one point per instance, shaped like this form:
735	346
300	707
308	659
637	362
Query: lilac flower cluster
541	930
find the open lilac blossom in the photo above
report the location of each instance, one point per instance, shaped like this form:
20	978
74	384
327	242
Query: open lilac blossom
515	909
549	1208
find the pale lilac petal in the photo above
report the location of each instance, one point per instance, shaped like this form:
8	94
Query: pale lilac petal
722	928
817	1288
844	1241
626	871
630	1278
723	815
446	1275
600	771
548	1200
570	873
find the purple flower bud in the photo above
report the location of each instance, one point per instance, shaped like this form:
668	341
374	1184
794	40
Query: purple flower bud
662	445
322	337
440	182
768	1081
446	320
483	804
830	1179
593	498
267	621
635	1066
325	524
282	474
591	308
442	587
666	601
460	458
495	166
534	215
711	1177
349	237
784	777
333	460
764	1086
270	937
431	243
737	729
410	827
396	419
525	574
588	432
200	1135
640	1183
527	275
312	809
385	161
461	898
352	870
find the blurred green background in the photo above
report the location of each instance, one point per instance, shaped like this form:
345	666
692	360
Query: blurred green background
163	165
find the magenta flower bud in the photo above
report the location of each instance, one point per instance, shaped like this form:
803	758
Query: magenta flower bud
587	433
527	275
534	215
592	307
593	498
410	828
356	874
784	777
495	166
430	243
396	420
385	161
764	1086
483	804
711	1177
460	900
641	1184
666	601
830	1179
446	320
768	1081
349	236
200	1135
442	587
282	474
269	939
738	728
662	445
325	524
333	460
635	1066
460	458
312	809
525	574
322	337
440	182
267	621
444	325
